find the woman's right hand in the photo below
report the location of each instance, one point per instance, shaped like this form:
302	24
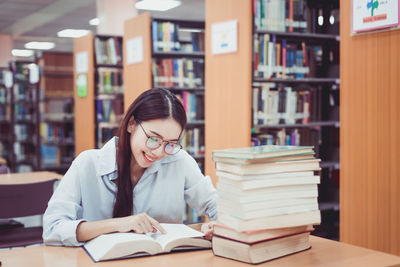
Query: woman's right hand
139	223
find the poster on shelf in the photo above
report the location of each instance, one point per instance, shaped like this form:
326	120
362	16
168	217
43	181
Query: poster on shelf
82	62
224	37
370	15
33	73
134	50
82	85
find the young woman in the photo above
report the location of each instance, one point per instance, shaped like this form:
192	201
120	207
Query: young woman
134	182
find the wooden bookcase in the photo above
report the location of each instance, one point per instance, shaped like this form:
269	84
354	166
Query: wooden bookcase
100	109
24	99
241	119
56	111
6	128
145	74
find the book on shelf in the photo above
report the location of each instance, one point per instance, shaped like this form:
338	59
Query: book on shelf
260	251
270	167
266	151
179	237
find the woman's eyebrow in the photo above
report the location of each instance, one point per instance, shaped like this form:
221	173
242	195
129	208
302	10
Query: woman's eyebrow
159	135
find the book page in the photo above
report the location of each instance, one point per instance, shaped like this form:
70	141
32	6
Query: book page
174	232
116	245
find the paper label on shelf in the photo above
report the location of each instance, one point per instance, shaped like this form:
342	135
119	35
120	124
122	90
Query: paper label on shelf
81	85
134	50
82	62
33	73
224	37
8	79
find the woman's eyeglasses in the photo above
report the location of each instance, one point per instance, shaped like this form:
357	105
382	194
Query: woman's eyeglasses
154	142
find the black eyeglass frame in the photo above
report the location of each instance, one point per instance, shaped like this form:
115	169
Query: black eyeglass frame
160	139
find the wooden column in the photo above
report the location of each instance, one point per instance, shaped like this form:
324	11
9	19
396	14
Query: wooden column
369	134
137	76
228	82
84	117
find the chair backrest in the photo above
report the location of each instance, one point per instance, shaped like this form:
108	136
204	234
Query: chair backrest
4	169
19	200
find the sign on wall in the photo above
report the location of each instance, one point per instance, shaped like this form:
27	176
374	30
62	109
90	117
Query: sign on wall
370	15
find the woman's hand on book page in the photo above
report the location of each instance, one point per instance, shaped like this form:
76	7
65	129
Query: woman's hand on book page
140	223
208	229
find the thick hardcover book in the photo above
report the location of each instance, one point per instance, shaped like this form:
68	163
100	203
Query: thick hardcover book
267	151
261	251
179	237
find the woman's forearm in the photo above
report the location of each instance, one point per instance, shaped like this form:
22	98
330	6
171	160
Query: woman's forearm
89	230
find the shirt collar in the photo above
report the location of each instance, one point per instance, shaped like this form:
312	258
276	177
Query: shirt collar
108	163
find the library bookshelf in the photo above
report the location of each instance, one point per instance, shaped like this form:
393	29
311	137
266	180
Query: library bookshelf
99	104
56	111
282	71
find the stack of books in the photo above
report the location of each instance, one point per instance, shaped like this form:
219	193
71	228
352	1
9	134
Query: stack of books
267	203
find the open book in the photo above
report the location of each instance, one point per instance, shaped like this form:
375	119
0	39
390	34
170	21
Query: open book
125	245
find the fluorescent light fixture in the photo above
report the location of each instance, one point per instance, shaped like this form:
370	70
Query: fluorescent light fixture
157	5
40	45
94	22
72	33
22	53
331	19
189	30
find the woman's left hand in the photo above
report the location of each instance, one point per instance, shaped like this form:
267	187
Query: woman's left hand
208	229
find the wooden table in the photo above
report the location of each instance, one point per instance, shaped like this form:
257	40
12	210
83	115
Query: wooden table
28	177
324	252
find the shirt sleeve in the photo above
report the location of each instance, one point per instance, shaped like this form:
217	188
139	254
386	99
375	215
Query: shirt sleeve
200	193
64	208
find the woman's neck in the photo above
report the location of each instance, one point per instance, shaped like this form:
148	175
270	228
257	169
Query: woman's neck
136	172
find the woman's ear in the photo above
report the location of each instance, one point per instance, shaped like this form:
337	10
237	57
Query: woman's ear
131	125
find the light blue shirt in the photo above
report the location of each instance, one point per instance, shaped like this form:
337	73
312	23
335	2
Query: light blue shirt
87	192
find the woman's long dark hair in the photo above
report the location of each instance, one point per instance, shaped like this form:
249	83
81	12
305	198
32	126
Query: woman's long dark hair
152	104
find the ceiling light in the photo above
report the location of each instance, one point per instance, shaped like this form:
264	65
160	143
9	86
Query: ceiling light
72	33
157	5
189	30
22	53
40	45
94	22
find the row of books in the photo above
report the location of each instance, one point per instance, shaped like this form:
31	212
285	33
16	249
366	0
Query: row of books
193	141
23	111
109	110
168	37
281	137
182	72
267	202
105	134
20	70
190	216
108	50
57	134
109	81
273	105
4	97
57	109
23	151
281	59
280	15
23	93
193	104
4	113
23	132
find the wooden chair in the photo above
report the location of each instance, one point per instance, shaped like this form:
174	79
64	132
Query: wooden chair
19	200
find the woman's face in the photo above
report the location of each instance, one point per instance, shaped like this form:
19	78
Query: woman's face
165	129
